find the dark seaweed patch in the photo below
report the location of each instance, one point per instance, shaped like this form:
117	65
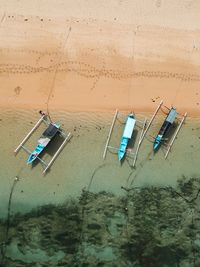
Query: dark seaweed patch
149	226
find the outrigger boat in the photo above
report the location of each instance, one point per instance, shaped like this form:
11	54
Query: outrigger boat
130	124
171	116
127	134
161	136
43	141
50	132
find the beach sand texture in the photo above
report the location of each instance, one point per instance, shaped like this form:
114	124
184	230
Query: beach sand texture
100	55
79	60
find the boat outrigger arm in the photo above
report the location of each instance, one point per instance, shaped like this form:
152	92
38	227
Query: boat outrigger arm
171	116
43	141
169	120
130	125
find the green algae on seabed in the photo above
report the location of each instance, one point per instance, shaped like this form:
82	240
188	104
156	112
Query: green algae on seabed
149	226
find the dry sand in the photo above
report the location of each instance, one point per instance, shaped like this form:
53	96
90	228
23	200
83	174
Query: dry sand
100	55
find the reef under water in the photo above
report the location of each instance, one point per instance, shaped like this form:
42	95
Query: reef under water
147	226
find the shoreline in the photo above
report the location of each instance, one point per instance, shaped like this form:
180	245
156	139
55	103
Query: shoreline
139	110
83	157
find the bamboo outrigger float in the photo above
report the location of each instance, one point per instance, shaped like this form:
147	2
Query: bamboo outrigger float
130	124
171	117
43	141
175	134
51	131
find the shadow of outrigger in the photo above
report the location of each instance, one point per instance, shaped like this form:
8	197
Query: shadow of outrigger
169	130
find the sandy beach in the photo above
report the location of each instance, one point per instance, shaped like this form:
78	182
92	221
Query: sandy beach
98	56
79	60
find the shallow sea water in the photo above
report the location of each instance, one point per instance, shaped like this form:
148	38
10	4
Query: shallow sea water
80	212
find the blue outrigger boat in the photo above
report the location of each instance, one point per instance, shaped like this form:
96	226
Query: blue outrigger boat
127	134
171	116
43	141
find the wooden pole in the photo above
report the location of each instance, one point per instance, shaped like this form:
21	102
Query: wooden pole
29	134
152	118
116	149
112	147
175	135
110	132
57	153
139	143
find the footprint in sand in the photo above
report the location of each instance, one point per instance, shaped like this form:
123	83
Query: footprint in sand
158	3
17	90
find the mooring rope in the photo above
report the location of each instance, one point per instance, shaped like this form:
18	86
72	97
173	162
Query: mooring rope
55	73
94	172
4	244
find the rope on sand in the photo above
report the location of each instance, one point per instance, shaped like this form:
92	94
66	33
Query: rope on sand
55	73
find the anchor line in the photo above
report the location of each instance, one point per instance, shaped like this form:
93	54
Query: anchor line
4	244
164	111
55	74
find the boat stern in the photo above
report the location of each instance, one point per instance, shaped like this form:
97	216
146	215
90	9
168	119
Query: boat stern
31	158
121	154
122	148
157	142
35	153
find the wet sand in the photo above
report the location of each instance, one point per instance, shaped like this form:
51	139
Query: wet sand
81	166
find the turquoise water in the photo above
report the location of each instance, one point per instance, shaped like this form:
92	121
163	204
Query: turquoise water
85	210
